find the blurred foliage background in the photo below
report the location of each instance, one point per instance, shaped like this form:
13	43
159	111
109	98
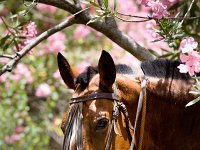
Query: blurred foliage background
33	97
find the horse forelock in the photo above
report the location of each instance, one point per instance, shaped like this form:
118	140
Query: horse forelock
85	77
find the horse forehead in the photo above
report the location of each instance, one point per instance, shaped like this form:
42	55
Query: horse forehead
94	81
92	106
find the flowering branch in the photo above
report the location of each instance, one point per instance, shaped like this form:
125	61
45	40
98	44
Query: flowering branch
16	58
108	28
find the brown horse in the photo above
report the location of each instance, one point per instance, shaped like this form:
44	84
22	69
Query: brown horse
166	123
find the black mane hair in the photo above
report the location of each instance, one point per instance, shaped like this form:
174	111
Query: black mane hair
84	78
164	68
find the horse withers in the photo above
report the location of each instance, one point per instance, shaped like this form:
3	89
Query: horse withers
103	96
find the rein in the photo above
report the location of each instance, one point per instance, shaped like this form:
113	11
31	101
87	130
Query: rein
141	109
75	117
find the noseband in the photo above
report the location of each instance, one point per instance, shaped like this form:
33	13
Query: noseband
75	116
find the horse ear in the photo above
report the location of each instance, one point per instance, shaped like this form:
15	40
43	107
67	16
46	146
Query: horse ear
65	71
107	71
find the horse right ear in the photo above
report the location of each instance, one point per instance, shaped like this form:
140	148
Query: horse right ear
107	71
65	71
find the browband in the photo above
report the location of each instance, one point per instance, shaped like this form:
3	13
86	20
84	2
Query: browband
109	96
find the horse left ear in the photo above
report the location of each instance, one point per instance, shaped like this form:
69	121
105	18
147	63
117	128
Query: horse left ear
107	71
65	71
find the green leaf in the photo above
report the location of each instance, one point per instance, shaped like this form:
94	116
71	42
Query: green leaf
3	40
95	4
115	5
21	13
93	20
157	40
193	102
106	4
5	47
166	55
178	36
197	77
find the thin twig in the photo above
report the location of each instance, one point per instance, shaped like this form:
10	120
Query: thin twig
6	56
187	12
9	66
134	16
5	24
180	18
124	20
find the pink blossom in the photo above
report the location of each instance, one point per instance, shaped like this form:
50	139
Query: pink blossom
150	26
159	10
82	66
7	85
19	129
46	8
82	31
191	63
183	68
58	36
43	90
57	46
128	8
187	45
56	74
29	32
4	60
12	138
22	71
169	3
56	43
3	78
143	2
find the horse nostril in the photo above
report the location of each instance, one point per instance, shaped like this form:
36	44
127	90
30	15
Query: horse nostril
101	125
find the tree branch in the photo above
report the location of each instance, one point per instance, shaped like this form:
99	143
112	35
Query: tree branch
6	56
108	29
9	66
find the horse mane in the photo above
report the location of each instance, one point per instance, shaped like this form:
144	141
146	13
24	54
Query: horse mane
175	87
163	68
84	78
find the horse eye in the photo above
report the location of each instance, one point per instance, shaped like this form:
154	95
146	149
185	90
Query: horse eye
102	125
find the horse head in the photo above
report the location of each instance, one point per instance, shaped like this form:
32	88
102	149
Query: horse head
98	92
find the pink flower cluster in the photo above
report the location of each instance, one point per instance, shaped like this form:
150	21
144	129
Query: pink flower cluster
159	8
22	71
189	57
43	90
46	8
82	31
14	137
55	44
150	26
29	32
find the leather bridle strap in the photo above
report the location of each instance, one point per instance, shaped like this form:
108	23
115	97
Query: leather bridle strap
141	108
93	96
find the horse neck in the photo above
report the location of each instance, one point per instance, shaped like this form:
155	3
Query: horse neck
128	90
173	90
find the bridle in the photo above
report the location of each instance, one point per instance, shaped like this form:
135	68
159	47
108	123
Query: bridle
74	121
76	107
